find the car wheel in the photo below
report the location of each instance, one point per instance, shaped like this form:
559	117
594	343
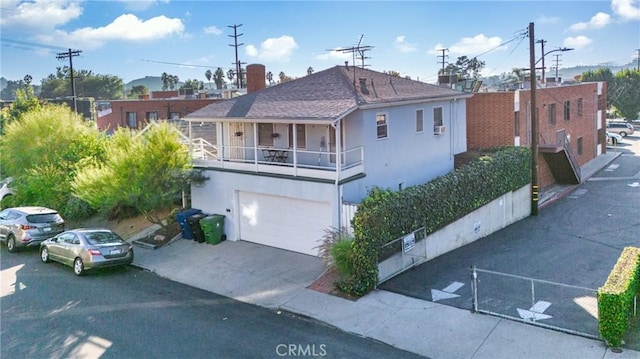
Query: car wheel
78	267
11	244
623	134
44	254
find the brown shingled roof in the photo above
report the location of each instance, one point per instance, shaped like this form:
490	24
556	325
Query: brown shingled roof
324	95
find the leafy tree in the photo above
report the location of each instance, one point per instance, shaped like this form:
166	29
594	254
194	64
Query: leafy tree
623	89
394	73
193	84
25	102
138	90
59	144
464	67
627	100
283	77
165	81
208	76
87	84
144	171
218	78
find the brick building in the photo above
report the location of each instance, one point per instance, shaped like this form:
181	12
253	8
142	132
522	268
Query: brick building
571	122
136	114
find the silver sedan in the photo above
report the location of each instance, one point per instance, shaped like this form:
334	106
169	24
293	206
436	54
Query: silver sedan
87	248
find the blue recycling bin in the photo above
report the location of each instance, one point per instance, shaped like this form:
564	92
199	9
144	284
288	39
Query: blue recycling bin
182	218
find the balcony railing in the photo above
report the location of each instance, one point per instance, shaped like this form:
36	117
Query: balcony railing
284	161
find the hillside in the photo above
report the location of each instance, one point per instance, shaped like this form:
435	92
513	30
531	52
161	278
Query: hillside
152	83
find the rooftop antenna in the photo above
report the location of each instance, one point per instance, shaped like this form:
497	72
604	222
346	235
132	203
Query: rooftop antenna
360	50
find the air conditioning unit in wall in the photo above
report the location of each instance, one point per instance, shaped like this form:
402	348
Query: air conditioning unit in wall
439	130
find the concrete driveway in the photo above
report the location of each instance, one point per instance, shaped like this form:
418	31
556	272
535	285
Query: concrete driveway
575	241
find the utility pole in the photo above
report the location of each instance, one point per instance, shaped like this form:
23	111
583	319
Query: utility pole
70	54
557	65
443	56
638	59
236	45
534	121
542	42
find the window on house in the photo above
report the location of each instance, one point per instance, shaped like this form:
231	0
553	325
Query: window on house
381	124
579	107
132	122
265	134
567	110
579	144
516	123
174	115
301	138
152	116
437	117
552	113
419	121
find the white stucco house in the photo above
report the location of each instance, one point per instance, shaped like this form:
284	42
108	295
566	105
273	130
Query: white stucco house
287	157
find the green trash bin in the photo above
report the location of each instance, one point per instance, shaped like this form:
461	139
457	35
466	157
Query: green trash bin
213	228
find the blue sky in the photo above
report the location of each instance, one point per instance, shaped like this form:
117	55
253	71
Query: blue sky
133	39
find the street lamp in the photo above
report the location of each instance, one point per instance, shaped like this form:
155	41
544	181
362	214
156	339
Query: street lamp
542	42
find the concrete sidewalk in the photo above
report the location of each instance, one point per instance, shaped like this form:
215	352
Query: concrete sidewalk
279	280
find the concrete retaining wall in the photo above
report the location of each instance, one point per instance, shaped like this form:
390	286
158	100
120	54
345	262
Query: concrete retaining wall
509	208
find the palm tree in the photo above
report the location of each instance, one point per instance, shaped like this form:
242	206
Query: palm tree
270	77
165	81
309	70
208	75
218	78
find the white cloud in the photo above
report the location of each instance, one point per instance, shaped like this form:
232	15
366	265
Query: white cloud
212	30
39	14
404	46
598	21
273	49
577	42
543	19
126	27
626	9
139	5
473	46
334	54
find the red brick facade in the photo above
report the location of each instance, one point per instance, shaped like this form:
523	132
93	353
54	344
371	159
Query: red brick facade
137	113
502	118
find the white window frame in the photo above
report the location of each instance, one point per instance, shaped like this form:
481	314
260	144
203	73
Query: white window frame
382	121
438	121
419	120
265	134
301	135
132	120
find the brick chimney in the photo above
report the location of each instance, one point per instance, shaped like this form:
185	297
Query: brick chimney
256	75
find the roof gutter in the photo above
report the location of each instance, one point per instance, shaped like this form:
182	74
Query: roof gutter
415	101
311	121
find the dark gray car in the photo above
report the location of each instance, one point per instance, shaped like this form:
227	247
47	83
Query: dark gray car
28	226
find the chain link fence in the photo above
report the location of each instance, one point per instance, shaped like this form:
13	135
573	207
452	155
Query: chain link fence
558	306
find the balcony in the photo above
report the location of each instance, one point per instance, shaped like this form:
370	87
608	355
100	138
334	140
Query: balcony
278	161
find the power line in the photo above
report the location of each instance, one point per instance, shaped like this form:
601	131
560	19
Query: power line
182	64
30	44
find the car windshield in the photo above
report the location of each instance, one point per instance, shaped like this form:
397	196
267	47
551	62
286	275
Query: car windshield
102	237
44	218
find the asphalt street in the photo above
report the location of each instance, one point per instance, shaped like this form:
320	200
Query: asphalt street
574	241
48	312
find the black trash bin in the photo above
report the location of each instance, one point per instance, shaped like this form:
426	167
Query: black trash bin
196	230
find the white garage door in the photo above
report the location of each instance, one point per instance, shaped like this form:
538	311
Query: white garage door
283	222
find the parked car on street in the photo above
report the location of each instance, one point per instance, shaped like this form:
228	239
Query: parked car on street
87	248
622	128
28	226
5	190
613	138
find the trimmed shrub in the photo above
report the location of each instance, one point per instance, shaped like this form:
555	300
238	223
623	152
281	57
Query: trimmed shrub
615	298
385	215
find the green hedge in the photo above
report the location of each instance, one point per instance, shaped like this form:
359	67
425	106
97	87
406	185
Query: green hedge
386	215
615	298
